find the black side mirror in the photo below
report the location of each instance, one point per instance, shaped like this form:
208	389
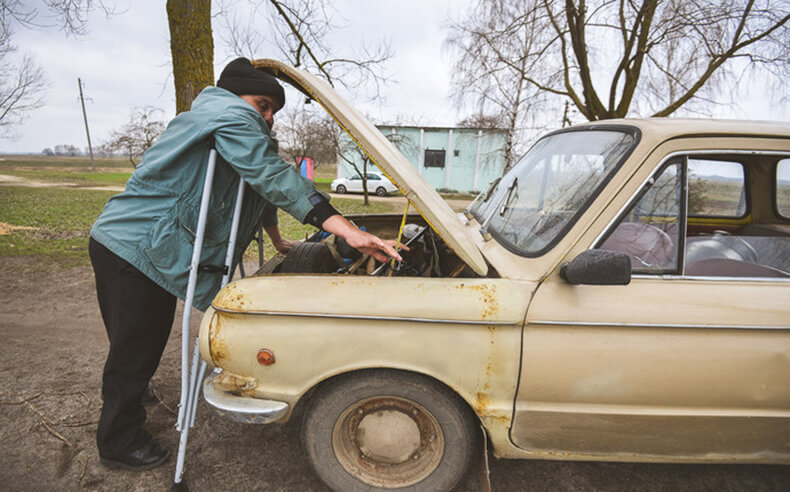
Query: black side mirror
598	267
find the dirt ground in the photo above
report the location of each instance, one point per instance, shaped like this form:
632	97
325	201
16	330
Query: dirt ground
50	364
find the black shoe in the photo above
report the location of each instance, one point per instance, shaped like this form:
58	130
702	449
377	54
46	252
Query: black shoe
148	456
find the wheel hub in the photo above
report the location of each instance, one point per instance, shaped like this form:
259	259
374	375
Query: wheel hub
388	436
388	442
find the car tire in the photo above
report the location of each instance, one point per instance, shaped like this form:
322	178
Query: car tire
381	191
393	430
340	189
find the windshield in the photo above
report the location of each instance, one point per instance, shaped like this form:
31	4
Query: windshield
541	197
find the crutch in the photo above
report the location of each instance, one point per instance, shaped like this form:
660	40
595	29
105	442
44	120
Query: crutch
190	380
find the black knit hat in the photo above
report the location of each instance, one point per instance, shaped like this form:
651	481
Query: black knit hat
241	78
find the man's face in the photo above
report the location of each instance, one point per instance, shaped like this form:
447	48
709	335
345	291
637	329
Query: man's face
266	106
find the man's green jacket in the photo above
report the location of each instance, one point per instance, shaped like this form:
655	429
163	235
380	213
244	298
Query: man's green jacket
152	223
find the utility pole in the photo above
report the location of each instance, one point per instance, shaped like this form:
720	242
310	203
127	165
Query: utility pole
85	117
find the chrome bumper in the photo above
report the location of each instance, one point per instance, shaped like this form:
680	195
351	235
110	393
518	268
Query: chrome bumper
243	409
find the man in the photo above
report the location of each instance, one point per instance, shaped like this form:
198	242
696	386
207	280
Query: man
141	245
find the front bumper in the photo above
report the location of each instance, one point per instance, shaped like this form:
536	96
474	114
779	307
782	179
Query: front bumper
242	409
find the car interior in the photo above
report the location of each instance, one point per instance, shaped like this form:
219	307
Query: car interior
710	215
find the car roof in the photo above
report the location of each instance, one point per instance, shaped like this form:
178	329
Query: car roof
668	128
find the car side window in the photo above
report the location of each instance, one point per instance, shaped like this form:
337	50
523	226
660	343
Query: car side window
716	188
649	230
783	188
691	219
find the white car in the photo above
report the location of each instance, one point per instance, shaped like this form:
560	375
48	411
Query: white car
377	184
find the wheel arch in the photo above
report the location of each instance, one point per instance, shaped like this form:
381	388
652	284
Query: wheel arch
303	401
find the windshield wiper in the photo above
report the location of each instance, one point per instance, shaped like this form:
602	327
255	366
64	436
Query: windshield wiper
505	201
509	195
485	195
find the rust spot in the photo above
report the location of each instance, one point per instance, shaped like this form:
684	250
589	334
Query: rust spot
239	385
216	344
496	419
231	297
234	382
481	403
488	298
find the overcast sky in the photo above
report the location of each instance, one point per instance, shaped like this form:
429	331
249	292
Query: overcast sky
124	62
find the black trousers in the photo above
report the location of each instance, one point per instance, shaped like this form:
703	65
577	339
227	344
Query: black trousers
138	315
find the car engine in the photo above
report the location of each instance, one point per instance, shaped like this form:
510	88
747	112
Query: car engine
428	255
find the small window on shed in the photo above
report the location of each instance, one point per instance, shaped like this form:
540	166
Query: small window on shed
434	158
783	188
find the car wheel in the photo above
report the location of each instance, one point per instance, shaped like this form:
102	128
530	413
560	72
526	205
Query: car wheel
388	430
381	191
340	189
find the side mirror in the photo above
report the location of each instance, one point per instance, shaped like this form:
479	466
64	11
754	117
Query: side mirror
598	267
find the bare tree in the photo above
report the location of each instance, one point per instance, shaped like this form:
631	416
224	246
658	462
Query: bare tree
22	89
610	58
306	132
71	16
22	81
138	134
301	31
350	153
492	69
480	120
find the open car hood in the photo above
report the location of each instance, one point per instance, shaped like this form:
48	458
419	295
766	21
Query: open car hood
388	158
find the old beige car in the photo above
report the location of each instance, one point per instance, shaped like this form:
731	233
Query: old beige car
621	294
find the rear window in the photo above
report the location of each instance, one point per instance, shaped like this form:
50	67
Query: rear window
783	188
716	188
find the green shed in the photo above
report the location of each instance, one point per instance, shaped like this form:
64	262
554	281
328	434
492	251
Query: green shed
450	159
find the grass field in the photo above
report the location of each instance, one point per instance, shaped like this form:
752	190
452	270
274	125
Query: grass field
50	223
83	162
110	171
53	224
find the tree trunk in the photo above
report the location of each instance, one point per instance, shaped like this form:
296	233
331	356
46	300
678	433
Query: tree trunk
191	47
365	180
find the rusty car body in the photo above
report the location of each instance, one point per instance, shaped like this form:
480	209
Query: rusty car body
673	345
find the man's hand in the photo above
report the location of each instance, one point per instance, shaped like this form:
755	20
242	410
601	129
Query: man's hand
280	244
284	245
362	241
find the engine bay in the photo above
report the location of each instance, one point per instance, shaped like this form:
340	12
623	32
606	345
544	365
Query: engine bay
323	253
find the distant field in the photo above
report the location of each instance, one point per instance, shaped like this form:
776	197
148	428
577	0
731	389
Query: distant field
53	224
11	161
79	178
110	171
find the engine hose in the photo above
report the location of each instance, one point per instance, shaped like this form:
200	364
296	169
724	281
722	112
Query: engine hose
400	235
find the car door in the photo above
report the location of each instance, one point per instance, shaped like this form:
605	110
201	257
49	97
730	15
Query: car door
675	366
355	184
